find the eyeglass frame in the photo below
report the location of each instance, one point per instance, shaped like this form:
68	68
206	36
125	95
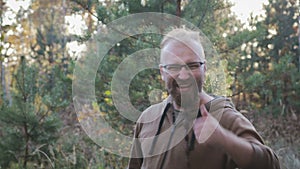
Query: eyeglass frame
180	66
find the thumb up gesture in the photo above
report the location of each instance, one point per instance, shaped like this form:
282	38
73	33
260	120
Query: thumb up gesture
207	129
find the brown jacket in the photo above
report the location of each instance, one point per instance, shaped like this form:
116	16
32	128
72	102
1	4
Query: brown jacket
201	156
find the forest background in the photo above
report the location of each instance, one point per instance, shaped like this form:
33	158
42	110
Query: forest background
39	127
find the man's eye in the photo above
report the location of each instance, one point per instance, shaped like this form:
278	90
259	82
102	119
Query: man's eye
194	66
174	67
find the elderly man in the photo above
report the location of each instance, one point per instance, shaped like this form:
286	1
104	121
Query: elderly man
192	129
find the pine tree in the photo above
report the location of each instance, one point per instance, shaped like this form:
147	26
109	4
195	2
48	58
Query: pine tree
269	66
29	125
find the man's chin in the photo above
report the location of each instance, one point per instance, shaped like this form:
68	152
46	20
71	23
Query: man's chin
186	99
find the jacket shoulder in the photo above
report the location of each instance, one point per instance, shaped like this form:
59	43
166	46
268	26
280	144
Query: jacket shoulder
152	113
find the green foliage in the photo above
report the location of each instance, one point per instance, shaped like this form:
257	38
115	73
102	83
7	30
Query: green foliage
136	6
40	129
31	124
268	68
106	14
213	18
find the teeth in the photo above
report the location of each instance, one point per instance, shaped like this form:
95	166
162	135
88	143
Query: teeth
184	85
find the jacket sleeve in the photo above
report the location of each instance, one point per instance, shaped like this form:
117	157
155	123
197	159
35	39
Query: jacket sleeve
263	156
134	161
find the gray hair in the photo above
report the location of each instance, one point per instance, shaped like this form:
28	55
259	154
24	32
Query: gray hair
183	35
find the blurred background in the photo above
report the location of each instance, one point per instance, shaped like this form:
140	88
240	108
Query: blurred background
42	40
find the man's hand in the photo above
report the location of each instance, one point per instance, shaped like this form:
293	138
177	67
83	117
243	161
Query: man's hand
207	129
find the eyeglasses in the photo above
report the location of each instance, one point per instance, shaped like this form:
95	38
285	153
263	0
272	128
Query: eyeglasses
175	68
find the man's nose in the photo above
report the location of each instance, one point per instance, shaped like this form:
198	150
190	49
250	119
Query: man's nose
184	73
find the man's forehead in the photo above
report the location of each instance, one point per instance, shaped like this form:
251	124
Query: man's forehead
172	48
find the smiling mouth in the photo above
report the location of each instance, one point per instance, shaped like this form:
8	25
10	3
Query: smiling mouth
184	86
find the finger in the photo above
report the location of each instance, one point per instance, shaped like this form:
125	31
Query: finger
196	121
204	111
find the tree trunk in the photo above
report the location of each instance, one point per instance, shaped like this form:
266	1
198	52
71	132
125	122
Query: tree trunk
178	8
